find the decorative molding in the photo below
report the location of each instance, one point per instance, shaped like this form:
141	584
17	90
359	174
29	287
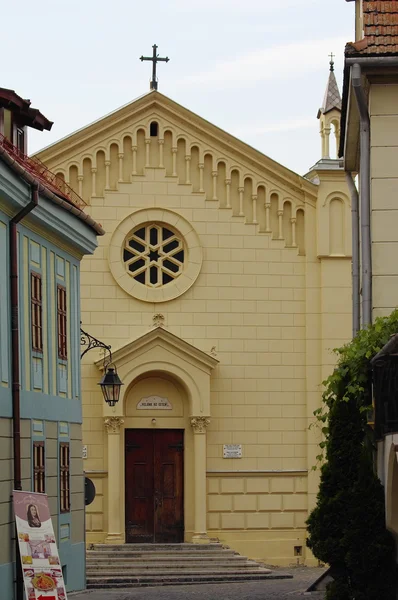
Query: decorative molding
113	424
186	120
213	351
158	320
200	424
96	474
164	338
258	473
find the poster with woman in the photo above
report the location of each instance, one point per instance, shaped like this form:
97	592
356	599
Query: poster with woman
41	566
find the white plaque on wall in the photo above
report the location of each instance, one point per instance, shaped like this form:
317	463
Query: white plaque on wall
84	452
154	403
232	451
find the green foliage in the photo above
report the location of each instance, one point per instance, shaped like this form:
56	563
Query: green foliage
346	529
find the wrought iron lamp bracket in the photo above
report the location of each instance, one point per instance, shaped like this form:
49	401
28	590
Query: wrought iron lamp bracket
91	342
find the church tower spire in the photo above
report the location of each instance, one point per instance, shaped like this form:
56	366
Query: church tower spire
330	112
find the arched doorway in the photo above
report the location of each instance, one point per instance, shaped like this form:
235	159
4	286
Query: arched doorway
158	444
164	411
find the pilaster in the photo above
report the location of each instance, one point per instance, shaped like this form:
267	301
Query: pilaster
115	534
199	425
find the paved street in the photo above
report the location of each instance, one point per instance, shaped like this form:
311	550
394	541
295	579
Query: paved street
285	589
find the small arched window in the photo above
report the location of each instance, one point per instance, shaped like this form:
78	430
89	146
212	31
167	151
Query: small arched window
153	129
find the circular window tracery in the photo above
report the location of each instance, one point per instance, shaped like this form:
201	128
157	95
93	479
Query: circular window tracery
183	268
154	254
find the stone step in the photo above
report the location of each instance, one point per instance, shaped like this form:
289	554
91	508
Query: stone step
138	565
100	557
172	570
213	547
236	562
236	558
162	580
160	558
133	550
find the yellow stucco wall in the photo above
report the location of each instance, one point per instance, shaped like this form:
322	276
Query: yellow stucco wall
270	301
383	102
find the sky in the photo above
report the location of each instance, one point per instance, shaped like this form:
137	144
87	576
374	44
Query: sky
256	68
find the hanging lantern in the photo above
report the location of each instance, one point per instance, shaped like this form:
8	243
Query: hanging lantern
110	385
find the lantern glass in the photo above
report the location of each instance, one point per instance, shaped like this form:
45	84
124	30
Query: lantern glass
110	386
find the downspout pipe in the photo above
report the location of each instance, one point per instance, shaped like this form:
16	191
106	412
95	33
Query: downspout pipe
364	187
15	366
355	265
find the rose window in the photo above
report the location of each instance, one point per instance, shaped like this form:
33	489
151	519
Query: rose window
154	255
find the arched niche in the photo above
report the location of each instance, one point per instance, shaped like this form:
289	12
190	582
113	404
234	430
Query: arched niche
336	226
87	180
300	231
194	166
287	223
181	153
274	215
127	157
167	153
73	178
221	176
100	162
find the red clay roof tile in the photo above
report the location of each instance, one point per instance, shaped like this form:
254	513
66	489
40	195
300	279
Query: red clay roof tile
380	19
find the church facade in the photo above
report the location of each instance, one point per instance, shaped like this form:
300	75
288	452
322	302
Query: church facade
222	284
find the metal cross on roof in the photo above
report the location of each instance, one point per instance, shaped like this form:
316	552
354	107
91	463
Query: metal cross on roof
332	61
155	58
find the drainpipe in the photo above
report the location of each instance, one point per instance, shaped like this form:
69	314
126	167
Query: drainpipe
15	378
364	178
355	265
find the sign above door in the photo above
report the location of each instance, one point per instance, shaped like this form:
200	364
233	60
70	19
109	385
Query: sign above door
154	403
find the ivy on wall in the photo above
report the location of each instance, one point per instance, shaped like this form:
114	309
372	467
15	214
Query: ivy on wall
346	529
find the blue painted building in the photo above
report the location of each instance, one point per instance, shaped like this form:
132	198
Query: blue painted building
44	233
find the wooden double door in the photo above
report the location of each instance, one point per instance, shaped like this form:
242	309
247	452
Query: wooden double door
154	485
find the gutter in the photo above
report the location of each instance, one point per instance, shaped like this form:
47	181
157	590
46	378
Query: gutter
372	61
15	367
68	206
364	187
355	265
365	61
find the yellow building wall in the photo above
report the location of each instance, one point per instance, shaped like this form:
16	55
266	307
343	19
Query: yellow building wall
270	302
383	103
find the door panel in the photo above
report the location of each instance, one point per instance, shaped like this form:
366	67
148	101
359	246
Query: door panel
139	486
168	486
154	486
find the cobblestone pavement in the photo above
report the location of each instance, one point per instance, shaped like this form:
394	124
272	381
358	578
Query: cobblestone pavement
282	589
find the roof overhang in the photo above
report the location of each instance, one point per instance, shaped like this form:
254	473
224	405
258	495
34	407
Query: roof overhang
375	69
28	116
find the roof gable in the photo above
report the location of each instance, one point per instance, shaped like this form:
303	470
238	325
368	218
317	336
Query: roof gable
157	104
169	342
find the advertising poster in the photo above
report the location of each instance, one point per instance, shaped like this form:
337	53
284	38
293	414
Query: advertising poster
42	572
